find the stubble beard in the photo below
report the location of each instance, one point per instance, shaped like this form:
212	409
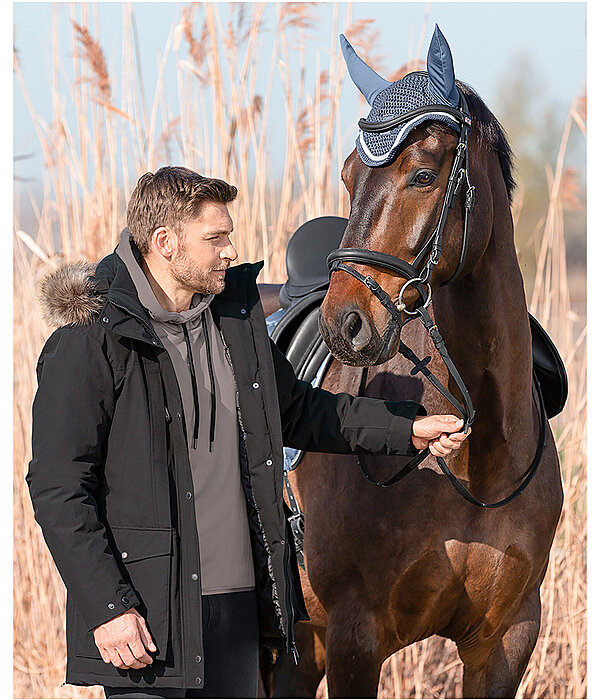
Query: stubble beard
188	273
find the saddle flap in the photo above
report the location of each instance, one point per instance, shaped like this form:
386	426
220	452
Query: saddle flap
549	369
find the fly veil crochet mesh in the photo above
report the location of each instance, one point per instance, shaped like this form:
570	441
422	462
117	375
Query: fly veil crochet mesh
402	96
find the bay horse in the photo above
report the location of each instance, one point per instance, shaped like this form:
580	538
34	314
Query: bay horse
387	567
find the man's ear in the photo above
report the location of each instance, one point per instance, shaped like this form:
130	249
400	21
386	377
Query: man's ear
164	242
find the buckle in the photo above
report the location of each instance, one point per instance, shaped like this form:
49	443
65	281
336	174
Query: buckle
470	196
371	284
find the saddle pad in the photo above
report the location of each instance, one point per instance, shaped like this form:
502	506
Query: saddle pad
296	334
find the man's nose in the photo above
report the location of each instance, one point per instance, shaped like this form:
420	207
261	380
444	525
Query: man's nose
229	253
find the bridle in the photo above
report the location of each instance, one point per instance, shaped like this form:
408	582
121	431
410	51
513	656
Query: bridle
418	274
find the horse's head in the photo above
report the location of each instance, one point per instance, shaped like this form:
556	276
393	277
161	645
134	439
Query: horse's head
398	179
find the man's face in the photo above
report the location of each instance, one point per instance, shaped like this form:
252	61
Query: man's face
204	250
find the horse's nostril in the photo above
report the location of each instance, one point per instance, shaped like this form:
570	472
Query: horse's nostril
356	330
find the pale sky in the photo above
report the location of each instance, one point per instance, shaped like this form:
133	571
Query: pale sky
485	38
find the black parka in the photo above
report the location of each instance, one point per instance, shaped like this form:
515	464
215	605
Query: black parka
111	483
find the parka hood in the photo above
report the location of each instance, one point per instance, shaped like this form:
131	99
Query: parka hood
75	293
68	295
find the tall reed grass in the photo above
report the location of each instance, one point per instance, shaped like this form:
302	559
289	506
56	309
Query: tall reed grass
102	136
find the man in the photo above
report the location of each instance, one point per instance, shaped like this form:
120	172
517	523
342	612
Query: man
158	429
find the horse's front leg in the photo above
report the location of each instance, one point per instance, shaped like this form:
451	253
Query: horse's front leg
289	680
354	652
497	673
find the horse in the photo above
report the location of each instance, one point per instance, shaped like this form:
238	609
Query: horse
387	567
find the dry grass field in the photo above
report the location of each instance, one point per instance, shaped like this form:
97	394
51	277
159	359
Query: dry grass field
91	162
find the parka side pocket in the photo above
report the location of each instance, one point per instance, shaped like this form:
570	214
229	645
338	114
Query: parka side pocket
145	555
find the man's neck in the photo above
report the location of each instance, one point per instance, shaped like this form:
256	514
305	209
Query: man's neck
170	295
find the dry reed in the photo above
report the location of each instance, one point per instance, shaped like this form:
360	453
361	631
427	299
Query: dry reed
90	166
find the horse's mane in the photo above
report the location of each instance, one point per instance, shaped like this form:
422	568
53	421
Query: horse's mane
491	134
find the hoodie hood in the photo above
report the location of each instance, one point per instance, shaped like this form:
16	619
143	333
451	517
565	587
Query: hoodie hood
130	255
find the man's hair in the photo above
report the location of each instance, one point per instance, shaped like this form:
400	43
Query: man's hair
172	196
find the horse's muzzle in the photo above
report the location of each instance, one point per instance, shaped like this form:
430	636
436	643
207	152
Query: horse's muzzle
353	340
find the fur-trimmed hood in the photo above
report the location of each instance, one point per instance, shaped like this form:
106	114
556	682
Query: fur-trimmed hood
69	295
75	293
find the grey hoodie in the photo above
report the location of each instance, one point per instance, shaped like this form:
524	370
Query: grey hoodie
210	411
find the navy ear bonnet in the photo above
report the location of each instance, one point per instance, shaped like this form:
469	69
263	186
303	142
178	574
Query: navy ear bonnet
436	89
400	97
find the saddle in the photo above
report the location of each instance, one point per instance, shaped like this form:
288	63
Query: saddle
294	327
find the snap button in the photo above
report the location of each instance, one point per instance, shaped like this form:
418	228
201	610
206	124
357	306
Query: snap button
198	680
198	658
243	311
188	495
124	555
255	385
125	600
282	542
105	319
194	577
111	606
269	463
179	416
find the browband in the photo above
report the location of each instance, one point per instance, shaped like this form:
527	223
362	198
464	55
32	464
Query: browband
388	124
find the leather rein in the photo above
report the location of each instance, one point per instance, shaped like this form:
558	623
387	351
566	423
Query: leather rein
420	280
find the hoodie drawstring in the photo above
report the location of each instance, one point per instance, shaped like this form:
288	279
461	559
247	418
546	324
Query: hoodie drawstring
211	376
213	397
190	363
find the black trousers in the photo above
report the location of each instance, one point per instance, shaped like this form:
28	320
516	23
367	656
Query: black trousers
230	640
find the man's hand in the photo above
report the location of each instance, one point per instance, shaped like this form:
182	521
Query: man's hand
123	641
438	433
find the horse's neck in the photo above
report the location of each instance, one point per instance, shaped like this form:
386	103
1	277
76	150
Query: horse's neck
483	319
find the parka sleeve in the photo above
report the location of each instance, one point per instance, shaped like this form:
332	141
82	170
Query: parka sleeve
317	420
72	413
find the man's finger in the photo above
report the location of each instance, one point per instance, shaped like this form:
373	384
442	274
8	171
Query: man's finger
138	650
447	442
115	659
439	450
146	637
449	419
125	653
104	654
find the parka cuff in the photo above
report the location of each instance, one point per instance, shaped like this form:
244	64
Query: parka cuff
399	436
122	600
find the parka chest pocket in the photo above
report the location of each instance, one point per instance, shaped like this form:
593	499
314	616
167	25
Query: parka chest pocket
145	555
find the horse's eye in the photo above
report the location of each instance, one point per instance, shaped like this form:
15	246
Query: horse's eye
424	177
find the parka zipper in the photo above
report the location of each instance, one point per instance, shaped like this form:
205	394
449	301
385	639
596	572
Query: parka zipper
288	584
262	531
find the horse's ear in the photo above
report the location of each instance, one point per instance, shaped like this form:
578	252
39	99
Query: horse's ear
363	76
441	69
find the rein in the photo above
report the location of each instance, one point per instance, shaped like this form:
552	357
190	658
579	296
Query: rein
420	280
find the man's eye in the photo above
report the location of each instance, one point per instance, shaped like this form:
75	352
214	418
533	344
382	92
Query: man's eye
424	177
